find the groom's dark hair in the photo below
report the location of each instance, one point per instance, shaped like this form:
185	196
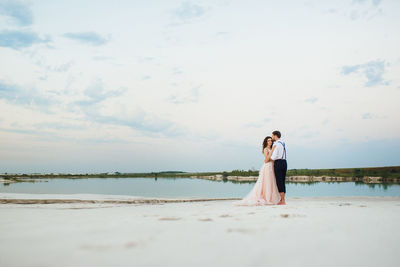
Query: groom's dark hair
277	133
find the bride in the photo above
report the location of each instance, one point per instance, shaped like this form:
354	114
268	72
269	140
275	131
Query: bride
265	191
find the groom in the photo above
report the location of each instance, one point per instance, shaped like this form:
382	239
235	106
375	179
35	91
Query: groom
280	164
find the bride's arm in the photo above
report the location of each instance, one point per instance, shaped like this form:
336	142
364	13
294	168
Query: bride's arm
268	155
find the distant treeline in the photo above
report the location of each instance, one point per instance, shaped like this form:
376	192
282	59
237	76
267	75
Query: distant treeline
384	172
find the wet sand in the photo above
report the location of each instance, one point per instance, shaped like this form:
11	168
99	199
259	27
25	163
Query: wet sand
321	231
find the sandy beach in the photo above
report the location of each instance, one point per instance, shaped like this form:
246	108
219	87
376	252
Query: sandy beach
323	231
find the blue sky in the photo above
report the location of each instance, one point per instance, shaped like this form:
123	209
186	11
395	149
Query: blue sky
196	85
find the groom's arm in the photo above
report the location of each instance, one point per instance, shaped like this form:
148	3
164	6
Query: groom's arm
275	153
268	155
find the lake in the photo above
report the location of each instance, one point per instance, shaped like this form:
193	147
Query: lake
187	187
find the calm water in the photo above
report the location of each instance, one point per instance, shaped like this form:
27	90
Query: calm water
186	187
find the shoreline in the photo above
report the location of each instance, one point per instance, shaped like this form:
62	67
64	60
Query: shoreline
25	199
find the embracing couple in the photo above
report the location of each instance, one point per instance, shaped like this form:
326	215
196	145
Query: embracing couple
270	187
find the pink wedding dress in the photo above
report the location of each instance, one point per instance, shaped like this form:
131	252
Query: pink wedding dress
265	191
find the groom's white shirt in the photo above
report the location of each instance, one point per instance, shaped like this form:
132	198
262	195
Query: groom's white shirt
279	151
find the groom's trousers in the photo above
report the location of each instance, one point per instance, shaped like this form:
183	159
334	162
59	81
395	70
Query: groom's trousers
280	168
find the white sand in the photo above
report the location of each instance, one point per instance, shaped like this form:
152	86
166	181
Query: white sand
331	231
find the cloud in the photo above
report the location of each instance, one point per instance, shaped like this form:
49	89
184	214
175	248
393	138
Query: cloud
189	11
257	124
222	35
145	59
373	2
101	58
91	38
359	1
252	125
63	67
58	126
308	134
21	131
372	70
41	132
20	39
367	116
350	69
176	70
376	2
311	100
364	10
56	68
358	9
17	11
142	121
190	96
325	122
23	96
96	93
139	120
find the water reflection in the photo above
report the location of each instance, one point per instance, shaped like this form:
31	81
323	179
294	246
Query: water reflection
189	187
384	186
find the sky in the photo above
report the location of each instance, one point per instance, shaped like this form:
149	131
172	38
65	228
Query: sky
142	86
